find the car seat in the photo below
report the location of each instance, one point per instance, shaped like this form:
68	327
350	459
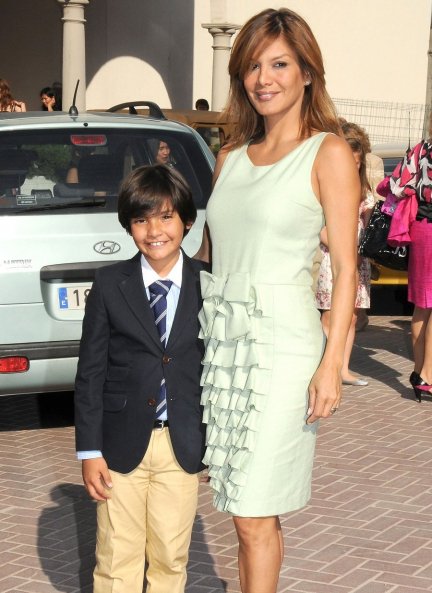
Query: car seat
14	166
102	172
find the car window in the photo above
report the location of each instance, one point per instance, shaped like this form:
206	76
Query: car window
390	163
74	171
214	136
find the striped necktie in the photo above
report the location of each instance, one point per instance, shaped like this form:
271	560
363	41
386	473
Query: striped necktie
158	303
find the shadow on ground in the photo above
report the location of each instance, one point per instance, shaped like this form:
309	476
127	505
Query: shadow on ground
66	543
395	338
40	410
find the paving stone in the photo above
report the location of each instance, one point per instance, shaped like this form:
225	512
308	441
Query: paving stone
367	529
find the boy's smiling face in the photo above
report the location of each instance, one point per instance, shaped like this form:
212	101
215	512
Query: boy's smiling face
158	236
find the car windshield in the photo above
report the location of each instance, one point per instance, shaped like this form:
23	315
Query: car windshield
68	171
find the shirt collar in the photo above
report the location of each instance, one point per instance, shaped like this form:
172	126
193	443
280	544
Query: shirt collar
150	276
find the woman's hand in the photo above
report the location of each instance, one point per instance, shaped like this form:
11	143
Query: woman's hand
50	103
325	393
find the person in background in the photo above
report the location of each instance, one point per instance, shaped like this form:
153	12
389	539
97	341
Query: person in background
374	175
160	152
412	180
269	374
374	172
202	105
138	420
57	87
324	291
49	99
374	163
7	102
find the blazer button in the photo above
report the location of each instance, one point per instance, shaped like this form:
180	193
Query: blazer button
151	402
166	359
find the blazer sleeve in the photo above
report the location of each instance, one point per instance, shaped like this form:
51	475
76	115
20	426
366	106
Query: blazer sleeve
91	372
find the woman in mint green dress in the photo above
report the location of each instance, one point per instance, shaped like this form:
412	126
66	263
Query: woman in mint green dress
268	373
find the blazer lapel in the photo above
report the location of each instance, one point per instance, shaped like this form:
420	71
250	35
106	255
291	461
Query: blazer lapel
133	290
187	305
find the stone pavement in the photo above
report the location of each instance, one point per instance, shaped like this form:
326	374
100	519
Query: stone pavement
367	529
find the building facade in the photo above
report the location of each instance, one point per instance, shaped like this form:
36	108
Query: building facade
376	52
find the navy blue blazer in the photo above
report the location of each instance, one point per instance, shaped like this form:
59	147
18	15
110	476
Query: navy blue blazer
122	362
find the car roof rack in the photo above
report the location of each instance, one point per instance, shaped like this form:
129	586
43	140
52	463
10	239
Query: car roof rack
154	109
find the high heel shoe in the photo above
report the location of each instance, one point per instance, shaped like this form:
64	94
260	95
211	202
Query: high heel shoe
420	386
413	378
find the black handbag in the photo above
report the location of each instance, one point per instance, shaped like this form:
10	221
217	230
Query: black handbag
373	243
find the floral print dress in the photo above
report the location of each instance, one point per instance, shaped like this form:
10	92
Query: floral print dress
325	280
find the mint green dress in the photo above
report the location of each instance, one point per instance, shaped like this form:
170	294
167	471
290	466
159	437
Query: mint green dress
262	332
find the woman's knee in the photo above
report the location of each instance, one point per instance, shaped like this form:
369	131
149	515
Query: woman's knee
420	314
255	530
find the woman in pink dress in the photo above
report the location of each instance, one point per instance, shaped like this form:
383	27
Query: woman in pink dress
412	180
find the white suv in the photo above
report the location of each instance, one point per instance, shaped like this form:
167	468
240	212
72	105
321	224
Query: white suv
59	180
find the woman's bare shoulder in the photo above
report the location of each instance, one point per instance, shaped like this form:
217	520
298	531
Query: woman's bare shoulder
334	146
334	153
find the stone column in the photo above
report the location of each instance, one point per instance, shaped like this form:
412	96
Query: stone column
221	34
74	64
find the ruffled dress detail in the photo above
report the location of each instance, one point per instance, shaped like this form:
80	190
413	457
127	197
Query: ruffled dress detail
237	328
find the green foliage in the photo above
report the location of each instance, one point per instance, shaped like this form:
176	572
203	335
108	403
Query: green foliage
52	160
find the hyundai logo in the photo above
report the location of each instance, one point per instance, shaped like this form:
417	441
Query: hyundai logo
106	247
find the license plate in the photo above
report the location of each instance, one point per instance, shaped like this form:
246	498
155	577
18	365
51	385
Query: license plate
73	297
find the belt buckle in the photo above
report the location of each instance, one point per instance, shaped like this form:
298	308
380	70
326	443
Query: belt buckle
161	424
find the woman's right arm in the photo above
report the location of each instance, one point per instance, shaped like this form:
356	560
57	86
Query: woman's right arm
204	252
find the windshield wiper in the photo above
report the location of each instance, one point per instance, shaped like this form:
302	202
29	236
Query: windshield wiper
87	203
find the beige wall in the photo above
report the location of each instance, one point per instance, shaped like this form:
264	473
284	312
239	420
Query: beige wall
31	37
140	50
372	49
157	49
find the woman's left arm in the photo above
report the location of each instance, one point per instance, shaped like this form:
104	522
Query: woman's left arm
337	185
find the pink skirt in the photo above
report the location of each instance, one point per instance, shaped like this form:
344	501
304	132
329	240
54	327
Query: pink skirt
420	264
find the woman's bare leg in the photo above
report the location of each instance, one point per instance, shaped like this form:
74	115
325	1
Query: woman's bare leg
419	323
260	553
281	541
425	339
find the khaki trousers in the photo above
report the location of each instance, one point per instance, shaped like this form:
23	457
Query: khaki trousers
149	516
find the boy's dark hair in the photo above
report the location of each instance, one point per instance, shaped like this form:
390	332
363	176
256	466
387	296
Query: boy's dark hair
145	190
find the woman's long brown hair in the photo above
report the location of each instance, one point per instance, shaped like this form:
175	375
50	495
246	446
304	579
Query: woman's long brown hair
6	98
317	111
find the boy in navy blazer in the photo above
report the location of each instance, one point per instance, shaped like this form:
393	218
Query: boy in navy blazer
138	417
